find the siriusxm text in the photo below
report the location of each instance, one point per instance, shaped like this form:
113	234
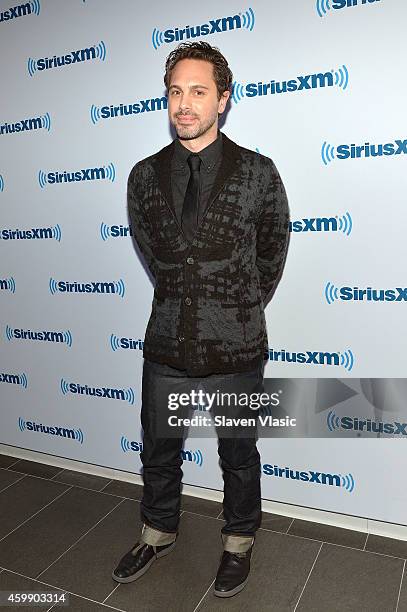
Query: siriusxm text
86	174
34	123
44	336
213	26
307	357
340	4
93	287
40	233
110	393
16	11
13	379
357	424
314	224
300	83
130	343
143	106
55	430
306	476
398	294
74	57
354	151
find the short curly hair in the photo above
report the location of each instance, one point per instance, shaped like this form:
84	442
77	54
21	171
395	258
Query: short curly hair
201	50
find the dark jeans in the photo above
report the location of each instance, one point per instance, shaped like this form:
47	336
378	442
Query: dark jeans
161	456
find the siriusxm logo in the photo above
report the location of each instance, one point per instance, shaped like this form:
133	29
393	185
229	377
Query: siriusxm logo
355	294
112	287
137	447
74	57
127	446
342	224
345	359
97	113
333	480
86	174
114	231
334	78
322	6
194	456
244	20
14	379
55	430
349	423
1	183
353	151
8	284
43	122
117	343
35	233
125	395
64	337
28	8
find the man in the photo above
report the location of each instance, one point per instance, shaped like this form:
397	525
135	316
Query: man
212	222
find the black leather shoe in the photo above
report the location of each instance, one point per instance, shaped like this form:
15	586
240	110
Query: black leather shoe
233	573
136	562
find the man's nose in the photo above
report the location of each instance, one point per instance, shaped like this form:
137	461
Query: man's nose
185	102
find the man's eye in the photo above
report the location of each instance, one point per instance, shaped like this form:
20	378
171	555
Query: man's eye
175	92
199	93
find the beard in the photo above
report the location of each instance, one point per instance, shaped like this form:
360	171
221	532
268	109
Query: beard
190	132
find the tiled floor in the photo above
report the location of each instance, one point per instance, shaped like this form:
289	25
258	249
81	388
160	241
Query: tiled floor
65	531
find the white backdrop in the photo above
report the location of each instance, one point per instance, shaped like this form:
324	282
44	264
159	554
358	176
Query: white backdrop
340	70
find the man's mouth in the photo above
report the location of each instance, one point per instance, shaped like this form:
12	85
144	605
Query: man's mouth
186	118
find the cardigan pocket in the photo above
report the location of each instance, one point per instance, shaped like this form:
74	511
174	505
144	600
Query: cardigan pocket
163	319
226	323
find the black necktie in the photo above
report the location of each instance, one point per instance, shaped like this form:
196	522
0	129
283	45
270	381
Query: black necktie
189	219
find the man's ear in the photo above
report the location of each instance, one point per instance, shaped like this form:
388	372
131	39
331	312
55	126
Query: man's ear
223	101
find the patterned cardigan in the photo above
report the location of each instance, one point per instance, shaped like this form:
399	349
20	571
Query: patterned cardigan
207	313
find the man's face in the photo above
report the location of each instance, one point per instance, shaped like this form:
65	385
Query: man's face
193	103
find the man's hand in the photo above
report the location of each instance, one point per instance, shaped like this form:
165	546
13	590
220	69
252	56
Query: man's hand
273	236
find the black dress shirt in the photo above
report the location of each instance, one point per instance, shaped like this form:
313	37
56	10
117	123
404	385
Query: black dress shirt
211	157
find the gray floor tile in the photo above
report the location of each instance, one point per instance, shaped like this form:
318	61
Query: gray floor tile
86	569
35	469
188	503
124	489
200	506
387	546
7	478
402	607
6	460
279	569
79	479
347	580
14	582
34	545
79	604
20	501
177	582
328	533
275	522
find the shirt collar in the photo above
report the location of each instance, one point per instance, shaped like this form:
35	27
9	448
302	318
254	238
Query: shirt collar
209	155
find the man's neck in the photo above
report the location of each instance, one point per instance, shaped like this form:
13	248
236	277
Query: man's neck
197	144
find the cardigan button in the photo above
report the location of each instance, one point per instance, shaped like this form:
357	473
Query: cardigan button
188	301
181	338
190	260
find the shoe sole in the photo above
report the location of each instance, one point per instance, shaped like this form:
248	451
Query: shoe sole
232	592
143	570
